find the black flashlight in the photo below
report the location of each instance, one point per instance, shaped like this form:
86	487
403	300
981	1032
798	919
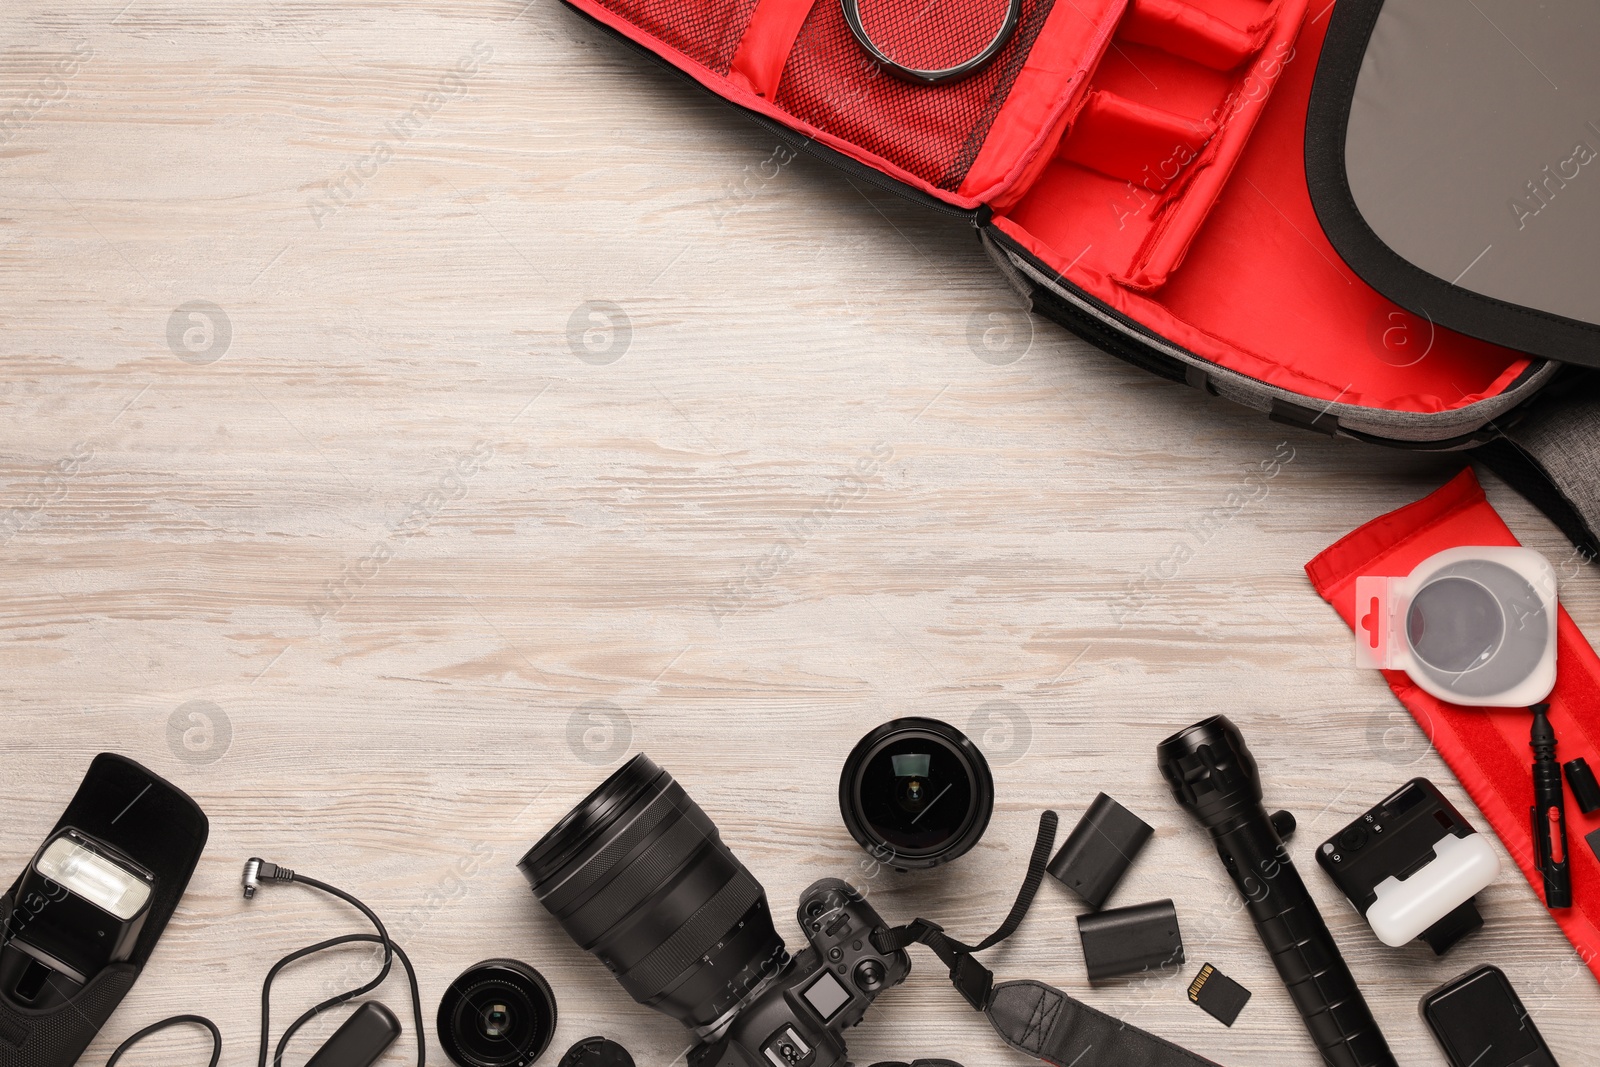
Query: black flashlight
1213	775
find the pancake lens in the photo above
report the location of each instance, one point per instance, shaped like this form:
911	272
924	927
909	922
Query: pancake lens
500	1013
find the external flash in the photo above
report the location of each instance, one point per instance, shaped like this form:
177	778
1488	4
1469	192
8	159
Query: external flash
83	917
80	906
119	887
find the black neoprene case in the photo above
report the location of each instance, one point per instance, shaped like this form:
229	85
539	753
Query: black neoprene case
158	826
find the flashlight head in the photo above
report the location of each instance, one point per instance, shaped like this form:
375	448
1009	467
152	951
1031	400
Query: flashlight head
1211	770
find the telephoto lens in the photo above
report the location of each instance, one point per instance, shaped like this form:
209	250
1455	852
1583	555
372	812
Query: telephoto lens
499	1013
638	875
916	793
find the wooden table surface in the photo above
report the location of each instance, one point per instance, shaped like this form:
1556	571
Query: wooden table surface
411	409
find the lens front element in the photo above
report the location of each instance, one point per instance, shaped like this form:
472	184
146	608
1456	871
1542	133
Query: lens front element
500	1013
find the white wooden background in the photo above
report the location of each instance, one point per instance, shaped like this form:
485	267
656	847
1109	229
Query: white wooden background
526	442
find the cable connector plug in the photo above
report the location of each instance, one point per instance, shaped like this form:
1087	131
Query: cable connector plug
258	870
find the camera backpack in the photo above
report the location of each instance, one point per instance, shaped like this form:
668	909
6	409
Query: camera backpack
1137	171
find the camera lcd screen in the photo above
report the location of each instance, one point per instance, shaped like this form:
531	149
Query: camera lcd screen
1480	1022
827	996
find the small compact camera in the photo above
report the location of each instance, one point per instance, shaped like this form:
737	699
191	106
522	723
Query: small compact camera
1411	866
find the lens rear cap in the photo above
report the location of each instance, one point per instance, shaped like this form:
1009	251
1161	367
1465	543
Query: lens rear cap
596	1052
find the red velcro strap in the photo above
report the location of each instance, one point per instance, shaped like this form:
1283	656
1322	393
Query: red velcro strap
1486	747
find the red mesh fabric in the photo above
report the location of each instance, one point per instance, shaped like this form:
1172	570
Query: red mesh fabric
707	31
934	132
924	35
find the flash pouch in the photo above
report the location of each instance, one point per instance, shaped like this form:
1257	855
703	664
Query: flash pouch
81	920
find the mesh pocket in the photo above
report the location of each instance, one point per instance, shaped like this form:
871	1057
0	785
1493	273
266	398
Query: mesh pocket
57	1038
707	31
934	132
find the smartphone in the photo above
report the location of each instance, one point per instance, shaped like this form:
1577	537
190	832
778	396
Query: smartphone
1479	1022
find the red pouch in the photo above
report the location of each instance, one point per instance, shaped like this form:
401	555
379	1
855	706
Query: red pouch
1486	747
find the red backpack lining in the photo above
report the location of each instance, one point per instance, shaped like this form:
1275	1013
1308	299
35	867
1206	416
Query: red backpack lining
705	31
1261	291
1150	153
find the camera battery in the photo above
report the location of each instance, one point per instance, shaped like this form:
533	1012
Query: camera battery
1126	941
1099	850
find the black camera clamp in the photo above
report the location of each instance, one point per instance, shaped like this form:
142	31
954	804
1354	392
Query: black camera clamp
1032	1017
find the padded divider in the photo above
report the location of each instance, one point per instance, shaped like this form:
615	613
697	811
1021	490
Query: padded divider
1187	31
1193	196
1262	292
1167	124
707	31
1135	142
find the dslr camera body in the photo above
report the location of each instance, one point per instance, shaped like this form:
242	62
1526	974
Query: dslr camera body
638	876
799	1018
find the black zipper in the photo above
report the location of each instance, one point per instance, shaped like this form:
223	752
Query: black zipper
852	168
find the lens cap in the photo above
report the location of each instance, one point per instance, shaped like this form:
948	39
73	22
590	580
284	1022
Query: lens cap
596	1052
499	1013
916	793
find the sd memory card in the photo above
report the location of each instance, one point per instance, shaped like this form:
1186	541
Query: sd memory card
1218	995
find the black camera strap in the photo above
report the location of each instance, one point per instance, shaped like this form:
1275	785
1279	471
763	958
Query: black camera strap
972	979
1032	1017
